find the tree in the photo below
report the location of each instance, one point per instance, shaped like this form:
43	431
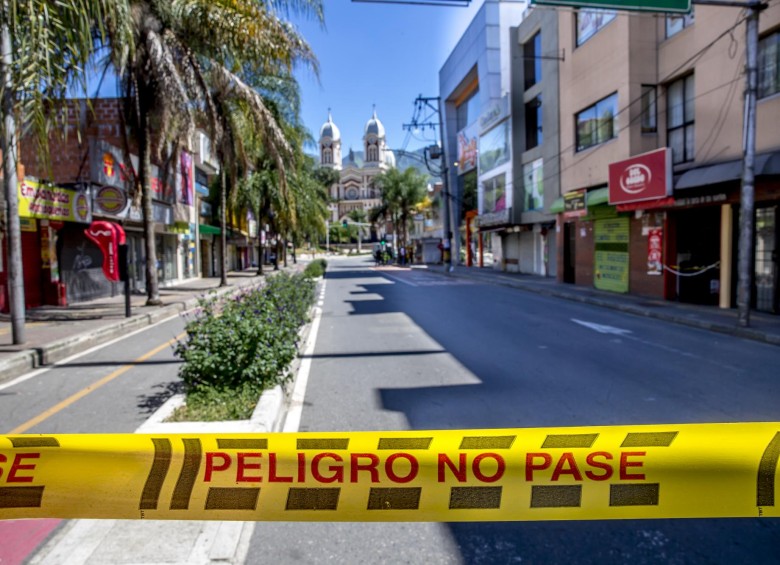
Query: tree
184	54
401	193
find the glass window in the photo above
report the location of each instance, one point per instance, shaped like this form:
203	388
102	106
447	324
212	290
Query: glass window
532	51
649	111
591	21
679	119
533	123
769	65
468	111
494	194
533	185
598	123
675	24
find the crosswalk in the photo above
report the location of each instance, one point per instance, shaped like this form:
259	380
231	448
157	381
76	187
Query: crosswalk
419	277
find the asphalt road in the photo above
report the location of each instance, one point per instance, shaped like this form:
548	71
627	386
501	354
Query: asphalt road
405	349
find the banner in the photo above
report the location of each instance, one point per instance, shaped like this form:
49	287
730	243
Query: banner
588	473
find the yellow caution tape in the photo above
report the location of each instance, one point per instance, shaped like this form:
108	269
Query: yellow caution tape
611	472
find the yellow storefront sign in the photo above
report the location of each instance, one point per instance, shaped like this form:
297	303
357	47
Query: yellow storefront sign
49	202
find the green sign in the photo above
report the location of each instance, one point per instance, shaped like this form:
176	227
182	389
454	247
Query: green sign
681	6
611	261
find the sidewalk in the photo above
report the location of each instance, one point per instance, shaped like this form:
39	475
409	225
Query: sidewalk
54	333
764	327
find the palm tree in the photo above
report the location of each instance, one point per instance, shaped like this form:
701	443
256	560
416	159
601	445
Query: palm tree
177	70
401	192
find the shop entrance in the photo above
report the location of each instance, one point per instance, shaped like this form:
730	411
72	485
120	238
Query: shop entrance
766	263
569	252
698	252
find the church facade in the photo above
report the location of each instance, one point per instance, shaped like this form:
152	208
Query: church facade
356	188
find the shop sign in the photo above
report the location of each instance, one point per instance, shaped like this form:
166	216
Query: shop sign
499	218
574	204
467	149
699	200
48	202
611	254
28	224
108	236
680	6
644	177
496	111
655	241
107	166
110	201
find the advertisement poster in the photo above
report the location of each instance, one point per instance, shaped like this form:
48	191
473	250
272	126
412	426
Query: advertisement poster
186	179
467	149
574	204
533	181
655	241
611	260
494	148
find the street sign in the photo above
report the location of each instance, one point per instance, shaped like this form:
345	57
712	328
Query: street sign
679	6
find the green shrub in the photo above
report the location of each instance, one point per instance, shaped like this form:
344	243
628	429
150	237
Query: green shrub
245	343
316	268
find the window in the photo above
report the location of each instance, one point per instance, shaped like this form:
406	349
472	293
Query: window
679	119
327	157
494	194
532	52
675	24
468	111
598	123
649	113
591	21
769	65
533	123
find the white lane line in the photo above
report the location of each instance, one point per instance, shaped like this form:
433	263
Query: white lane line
292	421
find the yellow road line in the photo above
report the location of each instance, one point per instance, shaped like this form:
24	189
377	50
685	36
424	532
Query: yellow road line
91	388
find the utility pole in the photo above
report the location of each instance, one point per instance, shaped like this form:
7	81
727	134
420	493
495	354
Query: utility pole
420	104
13	229
747	195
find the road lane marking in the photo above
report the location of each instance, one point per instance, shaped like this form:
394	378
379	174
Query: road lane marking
397	279
59	407
292	420
601	328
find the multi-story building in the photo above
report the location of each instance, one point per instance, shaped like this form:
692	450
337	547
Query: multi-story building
474	87
90	177
633	83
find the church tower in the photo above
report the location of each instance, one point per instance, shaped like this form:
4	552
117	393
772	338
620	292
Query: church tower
330	144
375	148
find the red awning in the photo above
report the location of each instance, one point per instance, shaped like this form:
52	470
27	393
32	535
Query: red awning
647	205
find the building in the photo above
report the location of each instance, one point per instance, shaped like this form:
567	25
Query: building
529	244
91	177
474	86
633	84
355	189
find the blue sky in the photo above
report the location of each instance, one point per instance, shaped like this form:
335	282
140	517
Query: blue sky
383	54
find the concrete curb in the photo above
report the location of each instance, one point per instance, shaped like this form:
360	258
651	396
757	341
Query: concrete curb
19	363
736	331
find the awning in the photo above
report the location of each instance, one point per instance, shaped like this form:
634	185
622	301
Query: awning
728	171
598	196
557	206
207	229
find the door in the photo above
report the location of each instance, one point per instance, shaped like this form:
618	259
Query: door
569	252
766	259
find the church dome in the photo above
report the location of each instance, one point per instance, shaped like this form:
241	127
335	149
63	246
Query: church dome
330	130
375	127
390	159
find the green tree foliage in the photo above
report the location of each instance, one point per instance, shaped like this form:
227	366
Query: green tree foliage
401	193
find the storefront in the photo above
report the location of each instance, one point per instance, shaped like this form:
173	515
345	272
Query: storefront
60	264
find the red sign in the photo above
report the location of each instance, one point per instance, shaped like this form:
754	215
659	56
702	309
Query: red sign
644	177
655	254
108	237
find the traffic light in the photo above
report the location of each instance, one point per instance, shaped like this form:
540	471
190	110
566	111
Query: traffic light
344	224
383	242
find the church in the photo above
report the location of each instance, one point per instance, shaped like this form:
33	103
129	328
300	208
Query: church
356	189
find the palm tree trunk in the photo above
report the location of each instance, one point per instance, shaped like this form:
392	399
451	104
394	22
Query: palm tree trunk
144	147
223	219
